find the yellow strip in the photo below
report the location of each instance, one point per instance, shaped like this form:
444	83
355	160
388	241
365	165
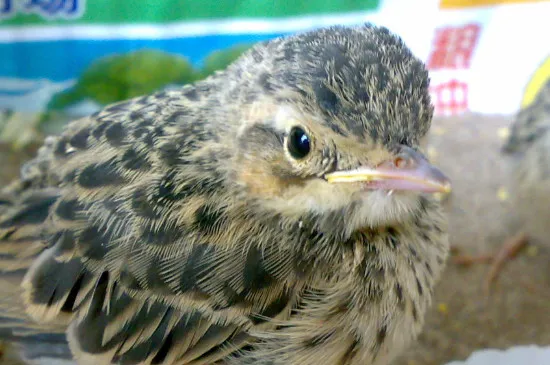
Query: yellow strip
457	4
540	77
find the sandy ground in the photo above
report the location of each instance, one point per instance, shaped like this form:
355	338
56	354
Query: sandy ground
462	318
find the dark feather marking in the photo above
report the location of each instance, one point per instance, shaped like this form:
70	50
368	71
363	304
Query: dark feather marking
149	138
171	153
69	209
33	213
133	160
115	134
164	236
159	131
9	233
80	139
419	287
53	279
425	237
264	80
119	107
144	120
399	295
98	175
216	334
94	243
191	94
255	274
232	298
392	238
413	253
166	190
60	148
89	332
263	135
208	219
272	310
169	190
153	279
352	351
222	335
98	131
139	353
196	267
37	197
118	306
188	323
235	341
164	350
318	340
196	132
70	177
141	205
342	307
63	242
326	99
381	335
140	132
129	280
428	267
177	117
414	312
69	304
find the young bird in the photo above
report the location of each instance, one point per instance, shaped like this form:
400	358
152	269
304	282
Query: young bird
528	147
274	213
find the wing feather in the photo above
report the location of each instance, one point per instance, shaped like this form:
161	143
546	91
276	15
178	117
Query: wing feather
139	252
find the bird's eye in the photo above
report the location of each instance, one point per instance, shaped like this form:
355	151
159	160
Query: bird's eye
298	143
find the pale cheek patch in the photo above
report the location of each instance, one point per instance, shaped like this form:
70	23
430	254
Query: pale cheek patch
316	196
378	209
285	116
259	113
362	209
323	198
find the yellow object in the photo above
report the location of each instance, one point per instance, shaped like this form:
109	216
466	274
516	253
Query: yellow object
540	77
455	4
503	133
502	194
432	153
532	250
443	308
438	131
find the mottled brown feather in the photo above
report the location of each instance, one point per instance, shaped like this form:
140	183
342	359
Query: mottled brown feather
172	227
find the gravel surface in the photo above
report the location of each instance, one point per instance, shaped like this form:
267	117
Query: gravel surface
463	319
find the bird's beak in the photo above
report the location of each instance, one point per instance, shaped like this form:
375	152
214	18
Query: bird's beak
409	170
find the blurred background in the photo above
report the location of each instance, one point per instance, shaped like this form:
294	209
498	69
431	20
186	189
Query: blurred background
63	59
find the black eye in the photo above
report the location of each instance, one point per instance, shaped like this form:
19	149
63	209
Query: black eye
298	143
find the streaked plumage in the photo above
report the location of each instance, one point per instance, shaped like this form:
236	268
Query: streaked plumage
179	227
528	150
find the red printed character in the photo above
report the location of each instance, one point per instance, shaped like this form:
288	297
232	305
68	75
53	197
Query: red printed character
450	98
452	47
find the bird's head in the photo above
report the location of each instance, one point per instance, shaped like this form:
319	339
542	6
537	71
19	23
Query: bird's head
531	123
332	127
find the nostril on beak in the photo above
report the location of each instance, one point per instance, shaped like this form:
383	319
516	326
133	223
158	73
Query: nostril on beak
400	162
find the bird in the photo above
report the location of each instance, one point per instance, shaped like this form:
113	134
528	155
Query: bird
527	151
280	211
